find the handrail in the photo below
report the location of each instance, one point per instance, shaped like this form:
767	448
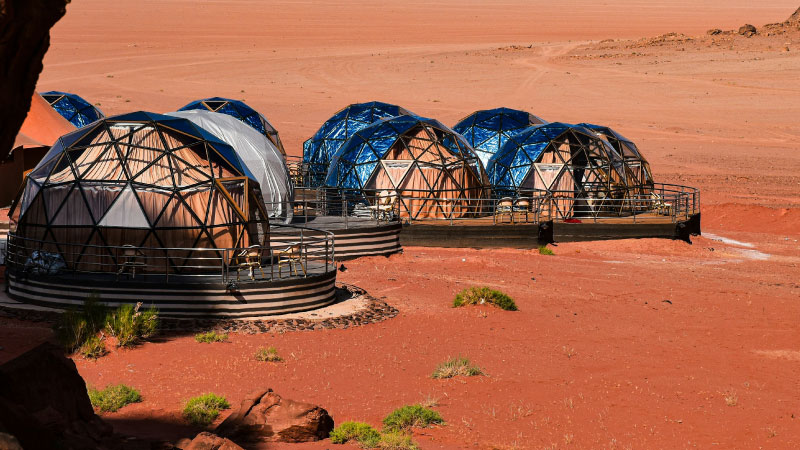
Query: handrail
43	257
646	203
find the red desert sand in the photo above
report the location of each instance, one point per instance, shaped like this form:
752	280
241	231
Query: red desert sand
619	344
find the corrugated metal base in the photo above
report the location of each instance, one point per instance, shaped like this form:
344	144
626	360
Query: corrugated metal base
252	299
355	242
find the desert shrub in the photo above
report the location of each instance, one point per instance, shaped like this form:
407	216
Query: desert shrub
360	432
544	250
76	326
113	397
481	295
396	441
268	354
407	417
204	409
129	325
148	322
93	347
454	367
211	336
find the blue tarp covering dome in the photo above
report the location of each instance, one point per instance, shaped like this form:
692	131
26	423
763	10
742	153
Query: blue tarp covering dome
318	151
142	180
487	130
73	107
431	168
241	111
557	159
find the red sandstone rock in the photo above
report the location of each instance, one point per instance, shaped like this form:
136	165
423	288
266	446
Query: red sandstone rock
266	417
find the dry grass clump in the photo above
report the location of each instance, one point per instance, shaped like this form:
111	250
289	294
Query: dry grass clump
113	397
75	326
397	441
455	367
483	295
83	330
93	347
130	325
410	416
268	354
204	409
360	432
396	427
211	336
545	250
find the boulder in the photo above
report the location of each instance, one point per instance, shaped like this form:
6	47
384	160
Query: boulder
209	441
44	403
714	32
747	30
266	417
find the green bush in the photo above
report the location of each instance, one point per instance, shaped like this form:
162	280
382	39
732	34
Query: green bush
113	397
544	250
211	336
76	326
130	326
362	433
204	409
407	417
481	295
397	441
454	367
93	347
268	354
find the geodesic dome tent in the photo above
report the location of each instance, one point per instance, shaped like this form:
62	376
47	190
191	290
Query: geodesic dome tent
563	163
73	107
487	130
142	180
257	152
241	111
319	150
430	168
635	164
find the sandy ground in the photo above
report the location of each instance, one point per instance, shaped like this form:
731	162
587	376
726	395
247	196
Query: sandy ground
596	357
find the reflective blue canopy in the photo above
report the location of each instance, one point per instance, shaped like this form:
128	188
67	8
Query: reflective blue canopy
487	130
356	160
240	110
318	151
509	168
73	107
185	126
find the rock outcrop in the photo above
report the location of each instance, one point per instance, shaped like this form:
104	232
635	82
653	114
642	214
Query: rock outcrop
794	18
266	417
25	31
44	404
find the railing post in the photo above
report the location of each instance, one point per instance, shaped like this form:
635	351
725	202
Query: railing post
222	266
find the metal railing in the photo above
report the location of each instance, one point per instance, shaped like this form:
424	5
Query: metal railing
303	251
646	204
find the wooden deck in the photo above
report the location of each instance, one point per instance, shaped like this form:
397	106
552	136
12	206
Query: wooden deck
484	232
